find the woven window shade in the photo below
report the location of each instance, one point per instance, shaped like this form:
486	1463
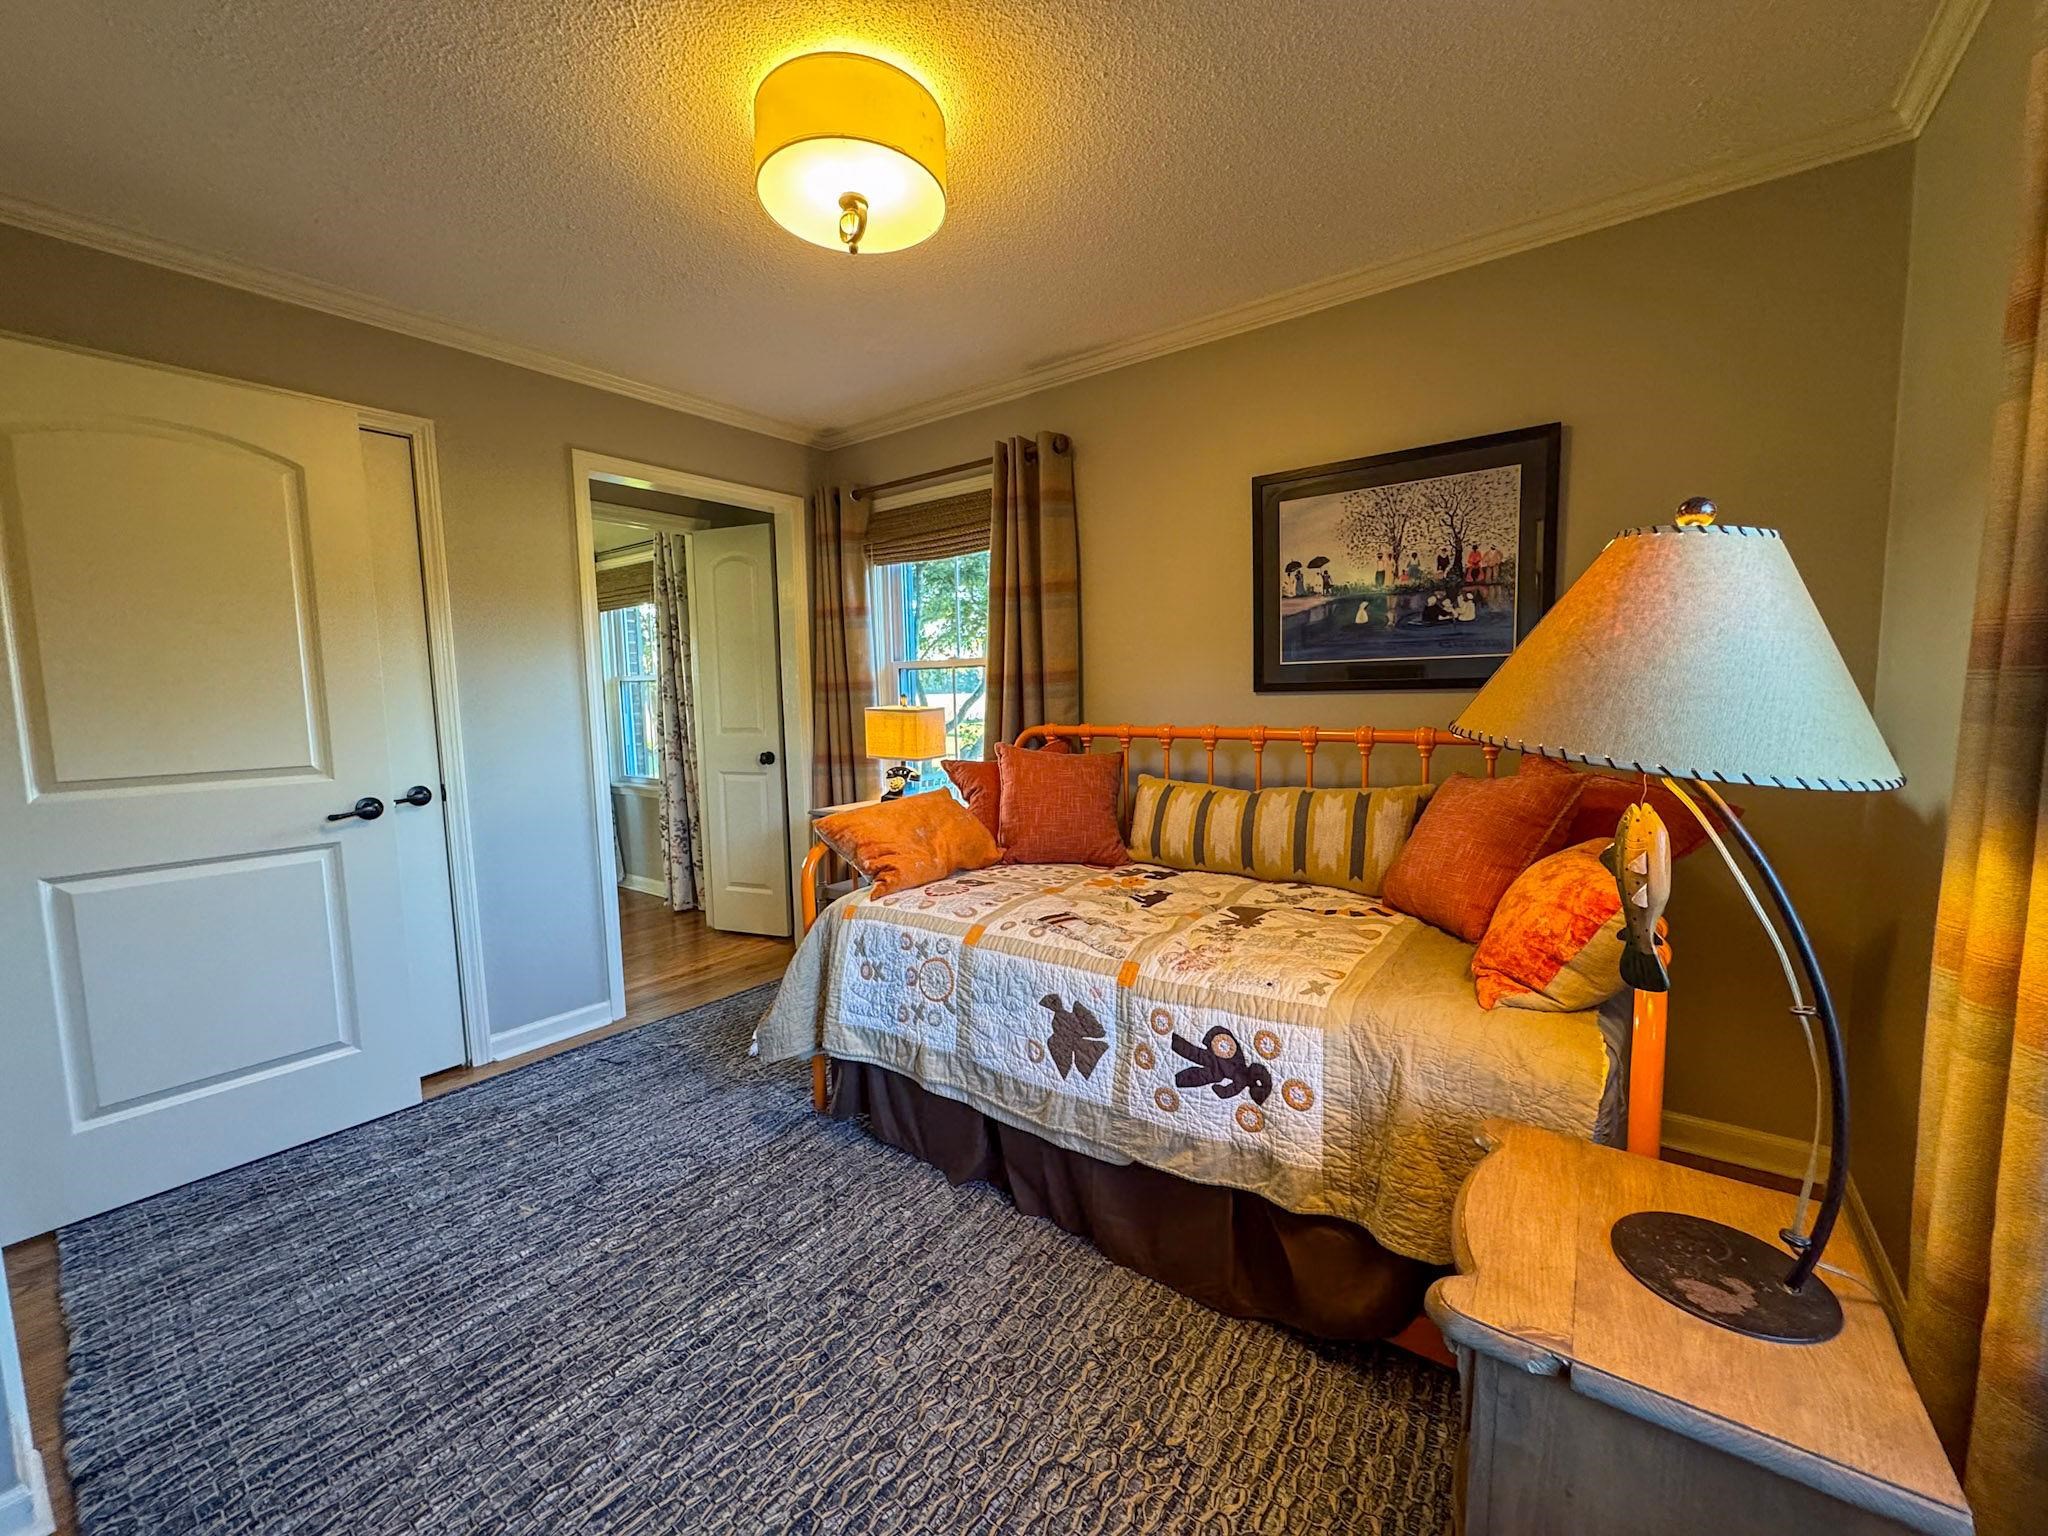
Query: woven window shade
624	586
930	530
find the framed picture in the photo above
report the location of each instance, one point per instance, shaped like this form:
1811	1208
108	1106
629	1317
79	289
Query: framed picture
1418	569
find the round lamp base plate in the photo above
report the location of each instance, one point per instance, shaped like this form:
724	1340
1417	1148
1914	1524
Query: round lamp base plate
1725	1276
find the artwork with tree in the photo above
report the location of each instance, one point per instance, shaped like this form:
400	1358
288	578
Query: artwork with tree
1415	569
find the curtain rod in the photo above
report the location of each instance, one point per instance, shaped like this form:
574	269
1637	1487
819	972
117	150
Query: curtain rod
919	479
1059	443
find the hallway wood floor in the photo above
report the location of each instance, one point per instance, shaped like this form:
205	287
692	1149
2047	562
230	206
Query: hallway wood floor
672	962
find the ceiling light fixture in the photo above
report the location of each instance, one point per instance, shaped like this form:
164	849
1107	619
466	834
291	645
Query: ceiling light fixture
849	152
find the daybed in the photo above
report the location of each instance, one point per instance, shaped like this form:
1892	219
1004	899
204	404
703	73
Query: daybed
1265	1094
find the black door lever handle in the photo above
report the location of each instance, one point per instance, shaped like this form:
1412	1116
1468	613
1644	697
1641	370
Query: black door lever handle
419	794
369	808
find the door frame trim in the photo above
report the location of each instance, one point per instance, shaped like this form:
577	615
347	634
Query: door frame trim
440	607
792	588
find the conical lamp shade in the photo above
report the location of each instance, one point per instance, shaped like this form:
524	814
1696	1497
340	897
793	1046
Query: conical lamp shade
1694	652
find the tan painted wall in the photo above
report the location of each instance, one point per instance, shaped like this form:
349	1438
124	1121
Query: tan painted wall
504	438
1745	348
1965	207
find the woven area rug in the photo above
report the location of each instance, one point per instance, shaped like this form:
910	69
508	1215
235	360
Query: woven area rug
642	1288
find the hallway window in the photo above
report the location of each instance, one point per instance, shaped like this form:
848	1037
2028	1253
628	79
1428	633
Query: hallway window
931	632
633	697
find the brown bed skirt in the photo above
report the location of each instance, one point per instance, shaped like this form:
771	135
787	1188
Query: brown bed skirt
1227	1248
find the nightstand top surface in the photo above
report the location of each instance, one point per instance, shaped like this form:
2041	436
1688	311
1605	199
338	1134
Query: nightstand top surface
1539	1286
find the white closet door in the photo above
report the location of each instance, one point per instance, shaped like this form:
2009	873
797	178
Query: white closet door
197	966
419	830
738	694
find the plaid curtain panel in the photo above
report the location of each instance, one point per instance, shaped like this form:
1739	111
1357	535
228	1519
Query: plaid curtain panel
1034	590
1977	1309
842	673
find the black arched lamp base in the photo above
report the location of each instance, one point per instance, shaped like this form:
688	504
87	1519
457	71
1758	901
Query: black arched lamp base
1728	1277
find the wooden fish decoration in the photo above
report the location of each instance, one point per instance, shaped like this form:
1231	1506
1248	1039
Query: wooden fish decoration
1077	1038
1229	1072
1640	860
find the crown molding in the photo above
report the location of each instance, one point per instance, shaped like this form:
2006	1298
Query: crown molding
1941	49
1879	130
346	304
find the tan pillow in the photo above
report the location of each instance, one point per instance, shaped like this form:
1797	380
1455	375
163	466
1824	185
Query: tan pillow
1346	838
909	842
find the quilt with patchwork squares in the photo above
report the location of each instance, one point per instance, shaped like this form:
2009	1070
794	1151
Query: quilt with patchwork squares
1306	1043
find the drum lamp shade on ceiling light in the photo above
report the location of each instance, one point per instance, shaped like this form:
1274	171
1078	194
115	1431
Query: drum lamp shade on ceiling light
849	153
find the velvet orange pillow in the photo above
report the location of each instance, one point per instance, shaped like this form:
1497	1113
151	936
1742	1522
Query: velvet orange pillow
980	783
909	842
1471	841
1555	941
1606	794
1059	807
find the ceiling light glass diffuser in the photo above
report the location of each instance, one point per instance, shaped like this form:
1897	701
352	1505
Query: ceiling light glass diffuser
849	153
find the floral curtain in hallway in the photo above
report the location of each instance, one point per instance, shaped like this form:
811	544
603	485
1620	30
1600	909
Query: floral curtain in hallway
1034	590
1977	1311
682	853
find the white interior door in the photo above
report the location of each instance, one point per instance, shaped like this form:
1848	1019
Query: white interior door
419	831
736	675
197	966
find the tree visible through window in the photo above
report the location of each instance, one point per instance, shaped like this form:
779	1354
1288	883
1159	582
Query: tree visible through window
934	634
633	692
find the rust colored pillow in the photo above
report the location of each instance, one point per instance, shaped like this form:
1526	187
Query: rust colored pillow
980	783
1606	794
1059	807
1555	941
909	842
1473	838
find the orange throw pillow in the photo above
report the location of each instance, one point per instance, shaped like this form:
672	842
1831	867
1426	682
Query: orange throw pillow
909	842
980	783
1059	807
1607	794
1473	838
1555	940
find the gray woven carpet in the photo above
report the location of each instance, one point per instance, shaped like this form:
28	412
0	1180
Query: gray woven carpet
642	1288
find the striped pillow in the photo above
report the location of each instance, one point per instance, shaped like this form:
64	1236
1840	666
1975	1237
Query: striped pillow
1340	837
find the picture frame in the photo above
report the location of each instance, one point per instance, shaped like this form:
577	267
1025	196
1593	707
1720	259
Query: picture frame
1421	568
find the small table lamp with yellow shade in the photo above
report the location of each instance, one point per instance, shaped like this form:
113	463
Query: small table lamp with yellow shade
903	733
1692	653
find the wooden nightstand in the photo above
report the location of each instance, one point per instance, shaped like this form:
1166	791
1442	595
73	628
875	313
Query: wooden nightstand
1593	1406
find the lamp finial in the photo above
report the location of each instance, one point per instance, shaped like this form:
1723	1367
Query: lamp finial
1696	512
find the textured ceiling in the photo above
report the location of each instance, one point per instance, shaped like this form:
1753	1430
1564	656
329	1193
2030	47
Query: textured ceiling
574	176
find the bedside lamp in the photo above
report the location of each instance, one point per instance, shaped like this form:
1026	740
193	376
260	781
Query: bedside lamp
1693	652
905	732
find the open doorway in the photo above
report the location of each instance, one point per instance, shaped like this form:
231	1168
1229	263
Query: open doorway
698	726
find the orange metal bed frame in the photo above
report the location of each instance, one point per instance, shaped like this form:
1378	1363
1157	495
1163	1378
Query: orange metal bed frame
1646	1035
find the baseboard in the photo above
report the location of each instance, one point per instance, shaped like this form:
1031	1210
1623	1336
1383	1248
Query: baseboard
647	885
25	1506
561	1026
1786	1156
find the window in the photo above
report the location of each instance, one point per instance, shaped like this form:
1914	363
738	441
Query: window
931	632
633	694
